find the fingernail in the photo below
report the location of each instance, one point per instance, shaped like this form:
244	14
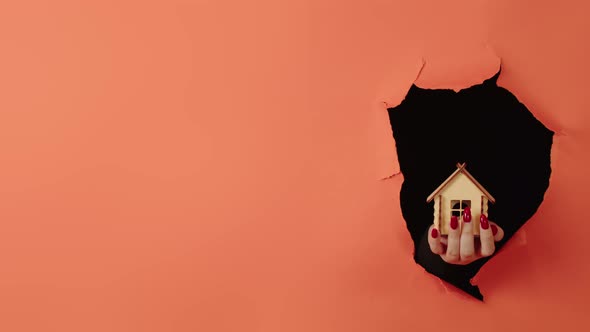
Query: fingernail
467	214
454	222
494	229
483	221
434	233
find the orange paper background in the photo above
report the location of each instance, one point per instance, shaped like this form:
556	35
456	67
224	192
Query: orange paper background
215	165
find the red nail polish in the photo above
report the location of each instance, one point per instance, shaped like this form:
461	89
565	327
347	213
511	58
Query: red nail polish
434	233
454	222
483	221
494	229
467	214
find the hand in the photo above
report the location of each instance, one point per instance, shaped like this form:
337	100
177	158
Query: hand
460	247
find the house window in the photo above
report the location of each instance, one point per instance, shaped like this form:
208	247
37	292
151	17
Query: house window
458	206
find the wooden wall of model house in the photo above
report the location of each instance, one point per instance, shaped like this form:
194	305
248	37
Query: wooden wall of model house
460	188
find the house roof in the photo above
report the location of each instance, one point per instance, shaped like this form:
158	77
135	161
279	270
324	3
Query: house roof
461	169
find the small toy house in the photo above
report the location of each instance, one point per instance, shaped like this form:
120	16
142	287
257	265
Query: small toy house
457	192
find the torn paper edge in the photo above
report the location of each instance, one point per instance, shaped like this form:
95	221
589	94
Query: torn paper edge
385	105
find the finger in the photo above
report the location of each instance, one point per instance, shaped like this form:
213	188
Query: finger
497	231
486	237
453	242
467	250
434	240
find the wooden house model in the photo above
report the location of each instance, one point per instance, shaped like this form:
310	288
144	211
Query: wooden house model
458	191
